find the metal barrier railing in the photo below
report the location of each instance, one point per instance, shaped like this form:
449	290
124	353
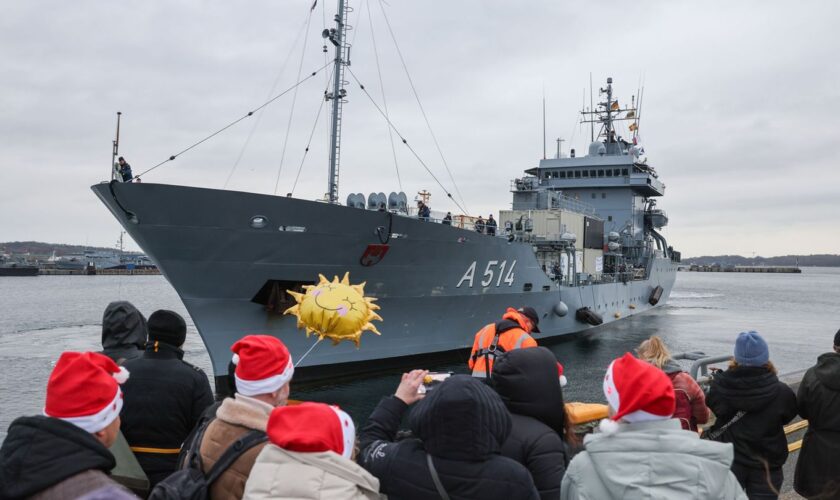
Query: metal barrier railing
699	371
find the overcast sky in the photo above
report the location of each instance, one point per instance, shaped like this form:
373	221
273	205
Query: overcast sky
741	105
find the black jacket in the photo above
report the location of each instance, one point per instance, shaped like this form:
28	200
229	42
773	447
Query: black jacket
164	398
40	452
461	424
818	467
124	331
759	435
527	381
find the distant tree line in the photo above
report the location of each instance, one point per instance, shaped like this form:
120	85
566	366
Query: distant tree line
41	248
819	260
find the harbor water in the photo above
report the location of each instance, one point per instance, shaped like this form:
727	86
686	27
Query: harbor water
797	313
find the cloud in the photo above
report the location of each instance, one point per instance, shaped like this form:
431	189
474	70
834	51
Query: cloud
740	105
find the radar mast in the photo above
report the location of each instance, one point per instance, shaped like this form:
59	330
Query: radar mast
338	37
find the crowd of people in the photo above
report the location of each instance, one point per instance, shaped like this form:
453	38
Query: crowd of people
502	432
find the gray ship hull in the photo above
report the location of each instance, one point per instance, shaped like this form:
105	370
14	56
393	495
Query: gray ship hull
203	242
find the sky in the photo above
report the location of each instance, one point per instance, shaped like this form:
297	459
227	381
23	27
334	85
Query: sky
741	109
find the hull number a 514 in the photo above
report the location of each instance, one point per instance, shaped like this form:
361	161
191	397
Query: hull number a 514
494	274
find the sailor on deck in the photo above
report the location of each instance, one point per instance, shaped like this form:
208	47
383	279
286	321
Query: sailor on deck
513	332
124	170
479	225
491	226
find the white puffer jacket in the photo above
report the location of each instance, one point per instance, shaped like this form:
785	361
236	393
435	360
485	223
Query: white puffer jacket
651	460
279	474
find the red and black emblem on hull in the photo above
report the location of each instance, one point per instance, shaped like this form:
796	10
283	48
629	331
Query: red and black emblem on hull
373	254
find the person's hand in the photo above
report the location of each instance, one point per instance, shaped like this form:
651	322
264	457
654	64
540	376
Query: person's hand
409	385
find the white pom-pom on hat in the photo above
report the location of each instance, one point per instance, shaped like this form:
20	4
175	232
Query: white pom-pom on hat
235	359
608	426
121	376
563	381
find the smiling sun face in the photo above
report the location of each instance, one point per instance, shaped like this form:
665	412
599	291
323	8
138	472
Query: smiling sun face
335	309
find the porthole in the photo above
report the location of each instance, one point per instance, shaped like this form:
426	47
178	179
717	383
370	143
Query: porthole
259	221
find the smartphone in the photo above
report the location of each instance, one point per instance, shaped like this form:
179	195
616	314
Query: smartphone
432	380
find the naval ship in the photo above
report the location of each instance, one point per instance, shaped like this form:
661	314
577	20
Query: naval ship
579	243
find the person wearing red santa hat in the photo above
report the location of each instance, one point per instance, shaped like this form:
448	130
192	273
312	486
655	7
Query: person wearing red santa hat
164	398
263	375
641	452
64	453
310	457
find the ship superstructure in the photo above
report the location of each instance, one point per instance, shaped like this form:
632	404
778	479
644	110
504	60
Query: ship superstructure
578	244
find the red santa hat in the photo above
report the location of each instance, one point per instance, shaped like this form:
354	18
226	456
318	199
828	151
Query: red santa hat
312	427
263	364
563	380
84	390
637	392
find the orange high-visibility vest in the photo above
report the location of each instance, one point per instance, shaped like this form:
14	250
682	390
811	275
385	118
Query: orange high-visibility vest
487	345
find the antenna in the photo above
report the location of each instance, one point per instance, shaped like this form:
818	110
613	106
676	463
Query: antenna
639	111
115	151
591	108
559	141
543	122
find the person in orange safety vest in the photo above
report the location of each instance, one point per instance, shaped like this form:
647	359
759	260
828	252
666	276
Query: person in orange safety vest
510	333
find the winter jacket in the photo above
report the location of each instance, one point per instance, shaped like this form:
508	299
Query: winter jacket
526	380
688	390
759	435
651	460
47	458
461	425
818	467
163	400
284	474
124	332
512	334
235	417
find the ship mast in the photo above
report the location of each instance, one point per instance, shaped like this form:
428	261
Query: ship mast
609	112
338	37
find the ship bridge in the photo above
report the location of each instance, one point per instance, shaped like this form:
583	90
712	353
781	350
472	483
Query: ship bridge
598	172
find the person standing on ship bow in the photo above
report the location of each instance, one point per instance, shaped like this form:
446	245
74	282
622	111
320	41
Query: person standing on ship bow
513	332
124	169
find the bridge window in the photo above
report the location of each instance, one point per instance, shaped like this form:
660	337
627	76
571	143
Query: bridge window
577	174
562	175
586	173
547	175
617	172
609	172
554	175
601	172
593	196
624	171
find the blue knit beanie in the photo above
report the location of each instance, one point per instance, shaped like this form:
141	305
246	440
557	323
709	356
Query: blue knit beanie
751	349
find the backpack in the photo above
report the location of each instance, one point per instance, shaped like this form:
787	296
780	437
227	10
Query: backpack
190	483
682	410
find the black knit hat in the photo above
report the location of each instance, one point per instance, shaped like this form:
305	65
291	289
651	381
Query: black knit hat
167	327
531	313
837	339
